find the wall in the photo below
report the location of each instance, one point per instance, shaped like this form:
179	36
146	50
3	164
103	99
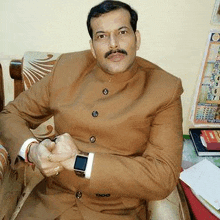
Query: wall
174	34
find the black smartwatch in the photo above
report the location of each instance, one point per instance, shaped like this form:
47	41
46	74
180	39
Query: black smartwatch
80	164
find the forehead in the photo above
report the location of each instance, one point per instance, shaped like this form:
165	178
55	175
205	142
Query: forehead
111	20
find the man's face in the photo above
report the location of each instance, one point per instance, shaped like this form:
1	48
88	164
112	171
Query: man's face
114	42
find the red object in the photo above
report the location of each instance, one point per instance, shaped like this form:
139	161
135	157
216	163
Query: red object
212	139
199	211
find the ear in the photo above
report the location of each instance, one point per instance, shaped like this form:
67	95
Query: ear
138	39
92	48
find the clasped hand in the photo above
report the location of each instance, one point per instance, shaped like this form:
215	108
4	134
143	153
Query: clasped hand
52	157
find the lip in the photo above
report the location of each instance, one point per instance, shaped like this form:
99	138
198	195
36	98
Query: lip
116	57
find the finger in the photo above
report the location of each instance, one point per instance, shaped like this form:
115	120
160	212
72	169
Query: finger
58	157
49	157
53	171
51	146
47	143
62	137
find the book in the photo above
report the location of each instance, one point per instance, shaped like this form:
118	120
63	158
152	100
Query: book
211	139
201	150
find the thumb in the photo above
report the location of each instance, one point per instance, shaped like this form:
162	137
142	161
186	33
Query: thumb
50	145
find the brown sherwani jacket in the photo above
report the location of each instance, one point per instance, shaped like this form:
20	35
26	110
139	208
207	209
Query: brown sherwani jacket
136	135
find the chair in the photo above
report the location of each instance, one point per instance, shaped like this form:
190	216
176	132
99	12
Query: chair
1	89
25	72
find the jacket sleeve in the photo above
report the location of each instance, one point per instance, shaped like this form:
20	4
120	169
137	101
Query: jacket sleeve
28	110
153	175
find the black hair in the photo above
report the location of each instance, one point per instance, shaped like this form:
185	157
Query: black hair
107	6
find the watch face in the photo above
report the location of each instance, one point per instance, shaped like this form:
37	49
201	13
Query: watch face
80	163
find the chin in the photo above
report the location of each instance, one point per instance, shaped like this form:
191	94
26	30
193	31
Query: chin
116	69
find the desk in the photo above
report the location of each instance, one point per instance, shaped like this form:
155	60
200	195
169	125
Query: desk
198	207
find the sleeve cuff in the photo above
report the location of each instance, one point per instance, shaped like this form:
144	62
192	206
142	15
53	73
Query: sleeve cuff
24	147
89	165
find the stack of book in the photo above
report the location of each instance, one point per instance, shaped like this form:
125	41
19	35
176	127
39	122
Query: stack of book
206	141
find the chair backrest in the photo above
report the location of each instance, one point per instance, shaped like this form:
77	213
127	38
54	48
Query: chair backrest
15	73
32	68
36	65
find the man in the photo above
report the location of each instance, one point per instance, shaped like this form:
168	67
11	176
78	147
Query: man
119	124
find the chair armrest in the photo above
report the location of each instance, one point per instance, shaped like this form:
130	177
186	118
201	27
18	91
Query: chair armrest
2	95
172	207
184	205
11	185
3	162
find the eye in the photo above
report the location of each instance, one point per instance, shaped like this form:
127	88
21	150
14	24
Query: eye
101	36
123	32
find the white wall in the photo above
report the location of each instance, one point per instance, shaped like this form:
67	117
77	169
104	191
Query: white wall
174	33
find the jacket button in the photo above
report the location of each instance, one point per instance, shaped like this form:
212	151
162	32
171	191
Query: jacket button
92	139
95	114
105	91
78	195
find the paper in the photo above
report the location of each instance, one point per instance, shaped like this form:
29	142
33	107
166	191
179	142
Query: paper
204	179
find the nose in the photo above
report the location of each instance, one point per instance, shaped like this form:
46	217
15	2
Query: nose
113	41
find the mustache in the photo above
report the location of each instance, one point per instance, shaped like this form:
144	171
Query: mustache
116	51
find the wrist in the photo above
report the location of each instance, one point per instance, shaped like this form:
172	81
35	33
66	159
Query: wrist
27	153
